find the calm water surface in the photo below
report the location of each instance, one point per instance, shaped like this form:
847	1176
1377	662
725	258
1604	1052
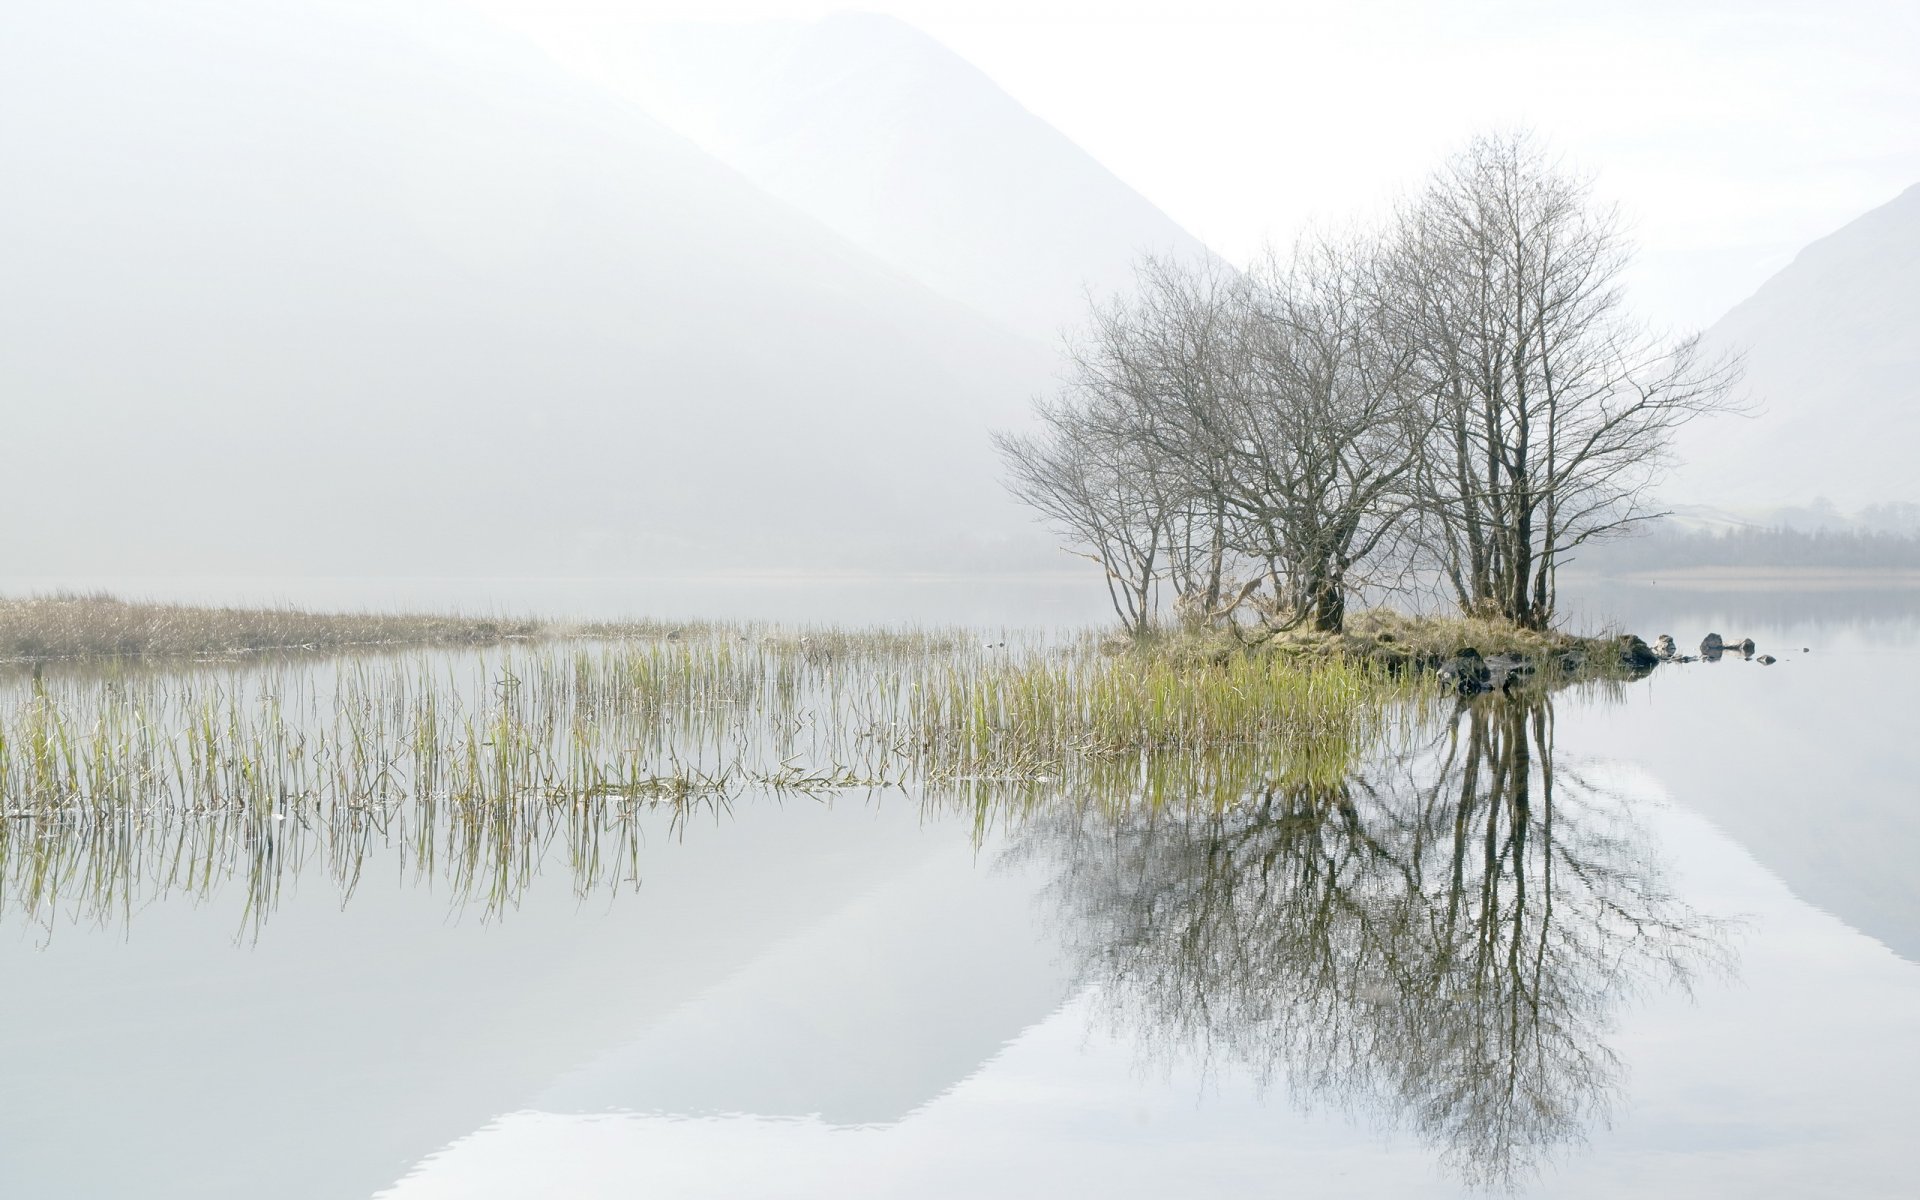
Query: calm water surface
1662	939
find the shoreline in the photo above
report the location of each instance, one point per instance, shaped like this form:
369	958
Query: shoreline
1746	578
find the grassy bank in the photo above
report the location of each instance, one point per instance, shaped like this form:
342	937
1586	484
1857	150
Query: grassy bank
62	627
102	626
1397	644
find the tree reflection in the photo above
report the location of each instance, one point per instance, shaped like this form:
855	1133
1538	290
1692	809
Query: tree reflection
1443	941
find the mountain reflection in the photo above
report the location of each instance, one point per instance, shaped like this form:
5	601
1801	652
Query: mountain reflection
1442	942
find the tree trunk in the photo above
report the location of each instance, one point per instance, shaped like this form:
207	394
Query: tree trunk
1328	597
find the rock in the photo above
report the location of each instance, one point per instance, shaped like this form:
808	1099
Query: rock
1636	653
1664	647
1509	671
1571	661
1766	660
1712	647
1466	672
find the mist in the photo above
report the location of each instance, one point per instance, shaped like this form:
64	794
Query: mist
320	289
306	290
733	599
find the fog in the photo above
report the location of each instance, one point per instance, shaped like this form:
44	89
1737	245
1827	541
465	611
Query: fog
893	141
322	289
303	290
1831	344
713	598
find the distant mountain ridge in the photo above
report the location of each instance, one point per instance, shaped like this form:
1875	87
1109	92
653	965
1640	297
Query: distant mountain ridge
303	288
1832	346
908	151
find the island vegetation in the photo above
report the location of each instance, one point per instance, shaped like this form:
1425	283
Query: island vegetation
1459	396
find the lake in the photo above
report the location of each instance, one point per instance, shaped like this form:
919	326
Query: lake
1657	938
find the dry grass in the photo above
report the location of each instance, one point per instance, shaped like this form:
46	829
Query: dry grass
69	626
1400	643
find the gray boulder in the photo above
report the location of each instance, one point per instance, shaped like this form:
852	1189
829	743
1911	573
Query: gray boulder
1506	672
1713	646
1636	653
1466	672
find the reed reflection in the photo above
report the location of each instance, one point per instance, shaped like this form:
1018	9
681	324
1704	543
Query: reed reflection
1442	942
474	774
122	785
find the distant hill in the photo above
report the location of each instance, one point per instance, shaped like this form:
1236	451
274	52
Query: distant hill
907	150
305	288
1671	544
1833	358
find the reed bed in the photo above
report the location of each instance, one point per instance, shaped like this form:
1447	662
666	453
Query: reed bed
1297	722
487	762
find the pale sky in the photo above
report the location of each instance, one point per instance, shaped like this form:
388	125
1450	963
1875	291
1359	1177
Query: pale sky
1730	133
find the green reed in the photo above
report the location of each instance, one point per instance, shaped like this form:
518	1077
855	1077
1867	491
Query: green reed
1301	721
481	764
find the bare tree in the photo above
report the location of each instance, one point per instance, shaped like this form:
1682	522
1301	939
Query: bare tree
1324	432
1281	402
1160	360
1552	408
1470	383
1104	495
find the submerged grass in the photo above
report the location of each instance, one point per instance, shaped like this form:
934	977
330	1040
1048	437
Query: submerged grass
123	778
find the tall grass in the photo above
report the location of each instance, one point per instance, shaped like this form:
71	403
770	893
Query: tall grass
483	760
1146	729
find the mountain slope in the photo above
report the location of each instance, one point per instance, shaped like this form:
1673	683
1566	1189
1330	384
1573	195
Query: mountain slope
1833	360
904	148
320	288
